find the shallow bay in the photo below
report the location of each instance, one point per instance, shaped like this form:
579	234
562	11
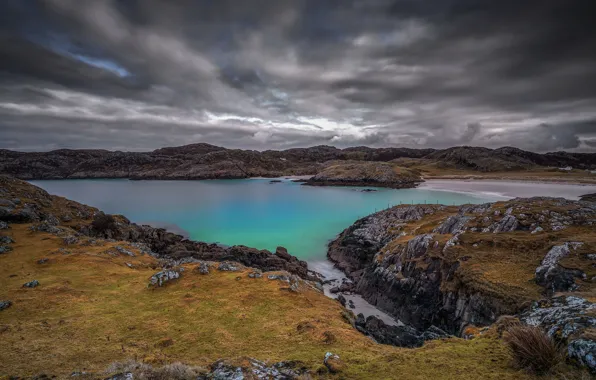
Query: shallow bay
252	212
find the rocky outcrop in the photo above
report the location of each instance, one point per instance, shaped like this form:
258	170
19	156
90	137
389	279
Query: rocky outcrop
401	336
553	276
356	246
159	279
381	174
424	279
570	321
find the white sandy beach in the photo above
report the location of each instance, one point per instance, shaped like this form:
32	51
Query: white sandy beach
511	189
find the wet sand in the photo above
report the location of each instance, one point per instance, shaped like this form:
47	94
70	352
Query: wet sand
507	189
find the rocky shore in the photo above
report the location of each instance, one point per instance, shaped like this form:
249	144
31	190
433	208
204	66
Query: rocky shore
458	269
48	212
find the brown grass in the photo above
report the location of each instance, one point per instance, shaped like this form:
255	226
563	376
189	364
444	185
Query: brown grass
533	350
92	310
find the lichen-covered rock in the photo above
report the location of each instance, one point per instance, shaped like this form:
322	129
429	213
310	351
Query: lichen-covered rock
507	224
3	225
124	251
255	274
280	277
5	249
204	268
255	369
45	226
161	278
554	277
6	240
453	225
70	240
5	305
227	267
31	284
583	352
567	319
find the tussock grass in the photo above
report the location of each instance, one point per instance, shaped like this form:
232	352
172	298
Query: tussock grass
533	350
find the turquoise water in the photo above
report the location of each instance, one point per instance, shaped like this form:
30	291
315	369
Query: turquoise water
251	212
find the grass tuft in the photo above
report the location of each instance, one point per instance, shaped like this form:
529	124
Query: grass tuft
533	350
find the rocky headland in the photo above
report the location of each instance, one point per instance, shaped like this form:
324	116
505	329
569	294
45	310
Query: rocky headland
365	173
457	270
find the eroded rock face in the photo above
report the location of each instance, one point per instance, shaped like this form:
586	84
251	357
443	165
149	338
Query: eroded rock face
400	336
418	277
356	246
554	277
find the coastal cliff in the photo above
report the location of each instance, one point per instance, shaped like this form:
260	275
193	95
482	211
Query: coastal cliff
461	268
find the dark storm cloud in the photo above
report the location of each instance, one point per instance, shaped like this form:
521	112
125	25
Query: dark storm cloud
274	74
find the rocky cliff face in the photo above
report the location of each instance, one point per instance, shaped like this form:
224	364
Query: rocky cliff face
452	267
205	161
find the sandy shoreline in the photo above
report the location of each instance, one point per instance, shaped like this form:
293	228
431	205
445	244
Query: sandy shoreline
511	188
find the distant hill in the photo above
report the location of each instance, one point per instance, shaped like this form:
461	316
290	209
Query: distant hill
206	161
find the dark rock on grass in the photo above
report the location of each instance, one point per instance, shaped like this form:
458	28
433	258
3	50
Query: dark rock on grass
227	267
280	277
161	278
124	251
204	268
31	284
45	226
3	225
70	240
255	274
333	363
43	261
5	305
5	249
255	369
6	240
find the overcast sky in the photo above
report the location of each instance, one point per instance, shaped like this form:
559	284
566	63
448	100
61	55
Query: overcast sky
274	74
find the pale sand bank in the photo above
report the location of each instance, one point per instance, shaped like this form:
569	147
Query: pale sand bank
510	189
